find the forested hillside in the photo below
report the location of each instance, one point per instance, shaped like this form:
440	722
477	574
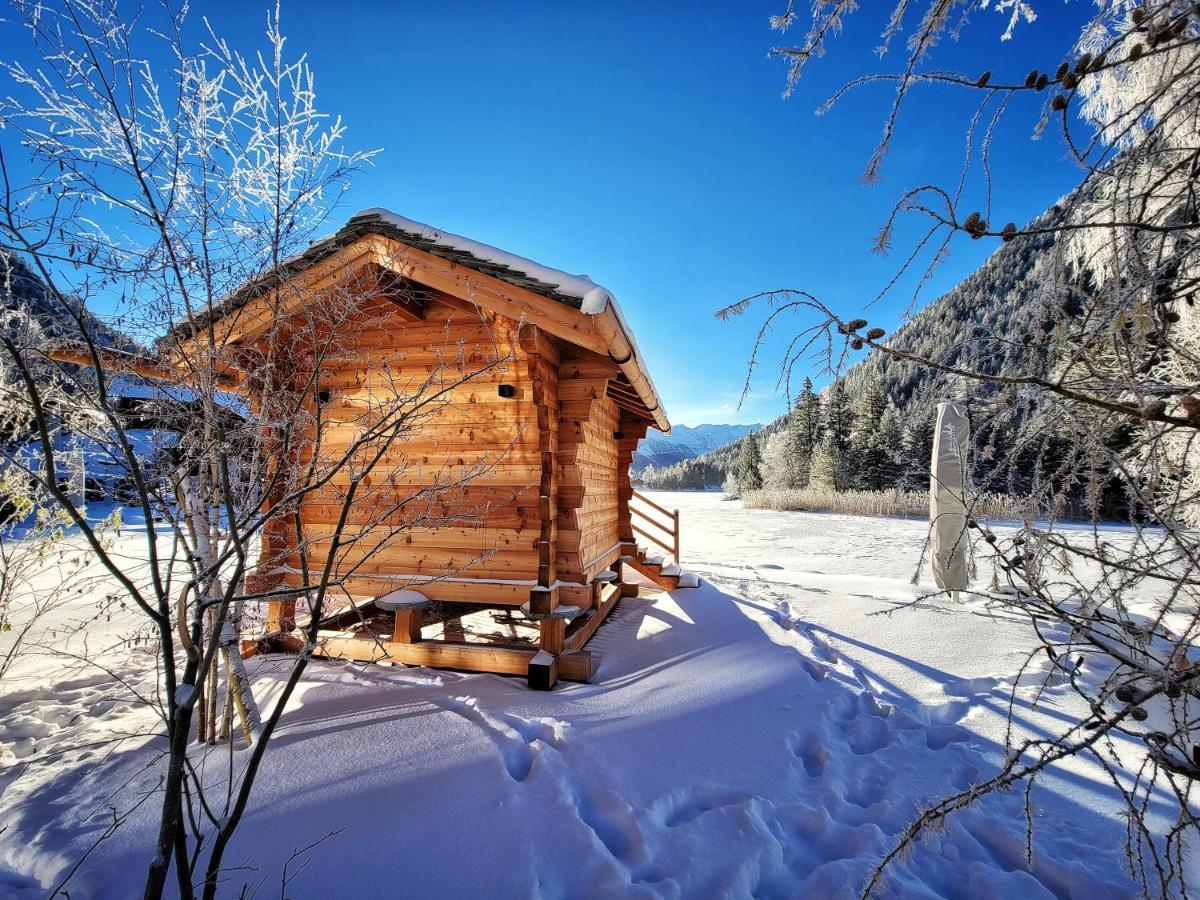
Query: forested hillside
26	303
872	428
685	442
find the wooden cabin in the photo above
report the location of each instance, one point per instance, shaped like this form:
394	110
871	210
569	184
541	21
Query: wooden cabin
522	562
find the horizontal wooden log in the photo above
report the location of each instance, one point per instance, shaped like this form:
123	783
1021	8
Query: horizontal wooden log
576	665
447	591
581	633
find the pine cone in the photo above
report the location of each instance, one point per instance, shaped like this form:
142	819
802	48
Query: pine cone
1008	232
1042	81
1070	81
1062	70
856	324
1135	52
984	79
1059	103
857	344
1031	78
875	334
1082	64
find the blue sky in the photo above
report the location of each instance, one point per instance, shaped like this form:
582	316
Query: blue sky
647	145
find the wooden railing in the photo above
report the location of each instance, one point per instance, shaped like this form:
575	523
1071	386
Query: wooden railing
671	528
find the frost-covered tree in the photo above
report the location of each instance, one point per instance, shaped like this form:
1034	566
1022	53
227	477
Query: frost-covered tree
149	168
777	463
888	441
829	469
867	454
837	416
748	473
803	432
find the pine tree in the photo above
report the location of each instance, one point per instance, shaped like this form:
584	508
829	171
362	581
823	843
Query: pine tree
803	432
838	419
916	448
889	439
828	464
867	455
748	473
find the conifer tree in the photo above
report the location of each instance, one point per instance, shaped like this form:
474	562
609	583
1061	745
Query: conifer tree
867	453
838	418
804	429
828	464
889	441
748	473
915	449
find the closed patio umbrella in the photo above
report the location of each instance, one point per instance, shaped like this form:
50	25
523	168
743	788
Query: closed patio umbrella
947	503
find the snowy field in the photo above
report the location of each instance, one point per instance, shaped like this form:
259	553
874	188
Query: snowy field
768	735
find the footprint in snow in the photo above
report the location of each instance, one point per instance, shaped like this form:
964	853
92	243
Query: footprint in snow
679	810
866	734
809	748
518	740
824	651
969	687
939	736
614	824
814	670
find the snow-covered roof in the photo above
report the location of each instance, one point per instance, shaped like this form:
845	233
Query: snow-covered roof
576	291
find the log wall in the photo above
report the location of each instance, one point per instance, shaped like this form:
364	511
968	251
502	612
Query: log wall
480	487
458	491
588	503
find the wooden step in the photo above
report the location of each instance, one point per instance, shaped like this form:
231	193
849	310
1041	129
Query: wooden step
654	571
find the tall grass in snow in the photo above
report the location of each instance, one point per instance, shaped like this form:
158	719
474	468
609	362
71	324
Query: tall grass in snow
890	502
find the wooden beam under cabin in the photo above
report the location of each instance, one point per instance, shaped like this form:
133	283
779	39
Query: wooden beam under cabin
573	666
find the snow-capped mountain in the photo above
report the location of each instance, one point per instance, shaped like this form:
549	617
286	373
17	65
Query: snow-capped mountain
686	442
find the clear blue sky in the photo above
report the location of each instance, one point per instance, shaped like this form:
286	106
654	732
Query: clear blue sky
647	145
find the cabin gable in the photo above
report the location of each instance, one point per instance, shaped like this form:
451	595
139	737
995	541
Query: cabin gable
511	489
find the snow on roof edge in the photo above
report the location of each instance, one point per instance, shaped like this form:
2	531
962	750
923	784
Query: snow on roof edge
594	297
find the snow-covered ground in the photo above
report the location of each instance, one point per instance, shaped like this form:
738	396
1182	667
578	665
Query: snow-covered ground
767	734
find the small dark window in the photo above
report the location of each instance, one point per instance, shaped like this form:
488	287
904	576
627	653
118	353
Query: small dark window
324	397
618	435
508	391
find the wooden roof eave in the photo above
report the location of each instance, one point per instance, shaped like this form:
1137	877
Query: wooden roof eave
604	333
121	362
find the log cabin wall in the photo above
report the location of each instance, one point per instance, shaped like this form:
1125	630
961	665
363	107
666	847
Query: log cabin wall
488	529
588	503
631	430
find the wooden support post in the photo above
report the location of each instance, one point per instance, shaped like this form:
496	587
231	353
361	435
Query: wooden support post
543	672
553	633
407	628
543	668
542	600
281	615
675	533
